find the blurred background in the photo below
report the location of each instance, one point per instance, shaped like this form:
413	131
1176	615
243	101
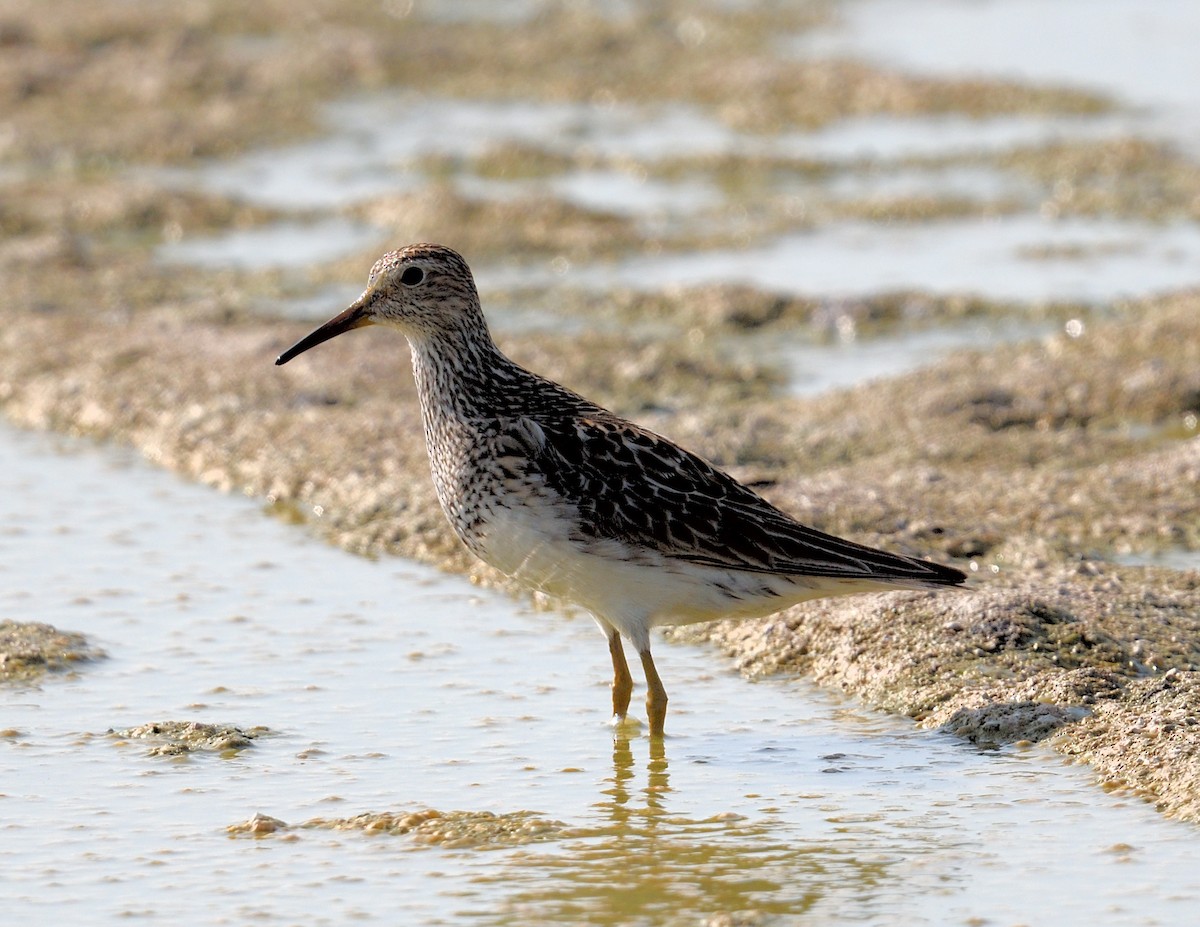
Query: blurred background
921	271
747	209
863	167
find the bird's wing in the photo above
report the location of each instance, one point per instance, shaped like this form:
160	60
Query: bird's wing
632	485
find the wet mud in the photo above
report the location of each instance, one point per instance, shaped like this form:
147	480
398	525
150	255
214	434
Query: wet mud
454	830
30	649
179	738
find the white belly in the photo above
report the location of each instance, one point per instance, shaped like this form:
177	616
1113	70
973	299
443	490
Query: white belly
631	589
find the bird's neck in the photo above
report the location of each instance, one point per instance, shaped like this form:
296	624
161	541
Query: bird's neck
461	376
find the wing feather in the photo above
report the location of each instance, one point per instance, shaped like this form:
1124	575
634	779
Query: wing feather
630	484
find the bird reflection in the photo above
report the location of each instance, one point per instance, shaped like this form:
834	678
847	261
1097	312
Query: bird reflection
645	855
658	783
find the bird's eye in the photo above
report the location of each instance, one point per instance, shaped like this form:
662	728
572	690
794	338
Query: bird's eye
412	276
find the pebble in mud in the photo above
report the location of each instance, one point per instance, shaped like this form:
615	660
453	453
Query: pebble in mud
475	830
179	738
30	649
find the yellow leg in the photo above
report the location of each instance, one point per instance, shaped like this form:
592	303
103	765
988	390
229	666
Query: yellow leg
622	686
656	696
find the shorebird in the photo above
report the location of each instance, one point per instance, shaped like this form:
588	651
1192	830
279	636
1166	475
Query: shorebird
574	501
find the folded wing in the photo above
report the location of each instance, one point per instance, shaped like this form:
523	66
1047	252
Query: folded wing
633	485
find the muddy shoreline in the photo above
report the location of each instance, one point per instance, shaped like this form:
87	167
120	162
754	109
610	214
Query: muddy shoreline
1032	465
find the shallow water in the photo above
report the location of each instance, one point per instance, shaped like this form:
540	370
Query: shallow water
626	193
1027	256
1020	257
883	139
818	368
977	183
1174	559
1143	54
389	686
373	142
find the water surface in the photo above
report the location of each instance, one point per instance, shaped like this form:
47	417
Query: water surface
1142	54
1025	257
392	687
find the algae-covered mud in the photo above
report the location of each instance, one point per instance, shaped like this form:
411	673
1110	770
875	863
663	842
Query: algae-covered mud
179	738
28	650
477	830
689	192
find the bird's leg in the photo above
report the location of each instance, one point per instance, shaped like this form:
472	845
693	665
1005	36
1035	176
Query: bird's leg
656	696
622	685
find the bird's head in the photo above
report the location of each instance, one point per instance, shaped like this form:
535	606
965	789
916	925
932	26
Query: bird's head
423	290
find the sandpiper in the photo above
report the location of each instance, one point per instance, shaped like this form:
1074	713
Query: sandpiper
574	501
